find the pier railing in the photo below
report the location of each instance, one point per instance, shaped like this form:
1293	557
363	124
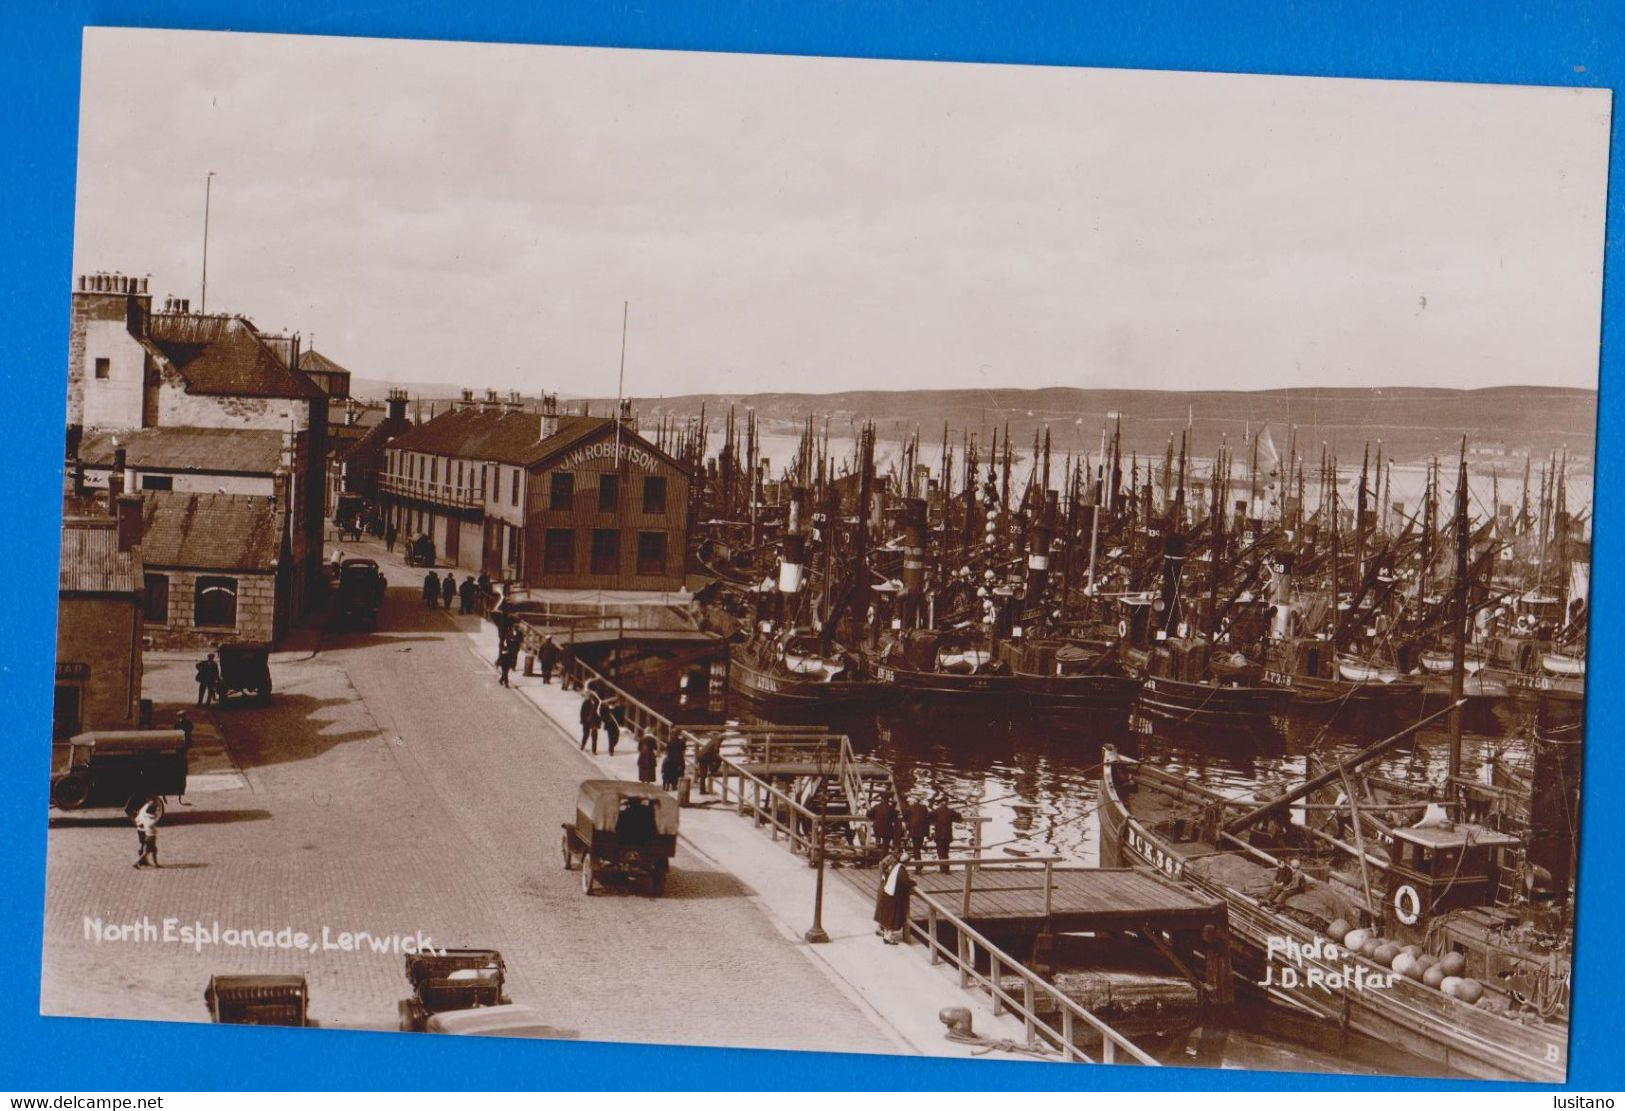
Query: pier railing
639	714
1046	1011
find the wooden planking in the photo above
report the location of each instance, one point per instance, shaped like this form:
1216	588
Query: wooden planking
1082	896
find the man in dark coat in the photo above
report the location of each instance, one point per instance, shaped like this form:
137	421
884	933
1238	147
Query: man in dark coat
208	680
431	590
708	762
612	713
507	656
483	585
917	820
891	899
547	656
465	595
674	763
589	722
884	816
942	827
448	588
647	749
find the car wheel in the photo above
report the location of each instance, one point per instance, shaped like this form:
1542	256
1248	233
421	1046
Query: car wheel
71	791
564	845
586	874
657	879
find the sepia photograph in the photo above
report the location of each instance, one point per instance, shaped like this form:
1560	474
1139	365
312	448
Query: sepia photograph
985	561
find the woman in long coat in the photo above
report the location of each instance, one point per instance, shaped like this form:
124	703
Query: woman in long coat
891	899
646	757
675	762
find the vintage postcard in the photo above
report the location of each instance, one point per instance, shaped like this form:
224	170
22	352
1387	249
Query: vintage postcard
1078	566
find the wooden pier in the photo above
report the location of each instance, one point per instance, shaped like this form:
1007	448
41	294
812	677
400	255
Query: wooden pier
1034	902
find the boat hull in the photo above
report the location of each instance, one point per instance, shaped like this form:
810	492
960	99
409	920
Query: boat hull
1209	703
1413	1018
776	689
1040	692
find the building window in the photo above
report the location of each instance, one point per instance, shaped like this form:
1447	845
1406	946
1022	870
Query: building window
459	474
651	553
215	602
66	712
562	491
514	497
155	598
434	469
157	482
654	494
104	368
606	551
559	553
609	489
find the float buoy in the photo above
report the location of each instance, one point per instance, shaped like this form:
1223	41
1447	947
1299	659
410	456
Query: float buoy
1434	976
1454	964
1338	930
1404	964
1407	904
1469	990
1385	954
1354	939
1449	985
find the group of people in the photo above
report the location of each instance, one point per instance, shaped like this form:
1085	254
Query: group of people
600	712
914	824
439	591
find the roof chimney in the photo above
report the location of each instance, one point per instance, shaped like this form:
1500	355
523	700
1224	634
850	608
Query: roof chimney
115	482
397	404
128	515
550	415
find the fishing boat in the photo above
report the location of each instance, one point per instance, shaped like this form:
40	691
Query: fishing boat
793	671
1352	688
928	667
1177	825
1182	679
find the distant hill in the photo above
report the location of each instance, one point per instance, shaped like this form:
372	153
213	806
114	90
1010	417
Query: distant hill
1413	423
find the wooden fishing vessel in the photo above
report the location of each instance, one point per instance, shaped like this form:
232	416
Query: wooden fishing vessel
1152	817
791	673
1181	682
1040	676
1304	667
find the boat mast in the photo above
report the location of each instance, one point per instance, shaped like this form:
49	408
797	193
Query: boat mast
1462	618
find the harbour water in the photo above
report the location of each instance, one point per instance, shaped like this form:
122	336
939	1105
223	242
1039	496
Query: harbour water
1033	779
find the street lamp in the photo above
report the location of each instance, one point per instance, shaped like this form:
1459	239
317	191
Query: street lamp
816	934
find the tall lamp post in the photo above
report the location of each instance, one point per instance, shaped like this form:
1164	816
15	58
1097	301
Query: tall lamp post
816	934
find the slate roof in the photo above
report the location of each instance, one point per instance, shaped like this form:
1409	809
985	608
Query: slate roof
315	360
91	561
512	438
200	450
226	355
210	532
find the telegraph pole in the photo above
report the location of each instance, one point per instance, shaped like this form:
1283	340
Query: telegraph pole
203	300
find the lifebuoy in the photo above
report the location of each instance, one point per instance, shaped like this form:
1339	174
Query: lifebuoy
1122	627
1407	904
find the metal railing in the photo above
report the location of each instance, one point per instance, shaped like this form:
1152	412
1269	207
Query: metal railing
444	493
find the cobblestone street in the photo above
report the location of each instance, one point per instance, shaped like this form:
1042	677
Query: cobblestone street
392	787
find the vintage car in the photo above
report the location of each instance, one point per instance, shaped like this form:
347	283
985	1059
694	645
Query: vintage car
245	670
506	1020
622	829
420	552
262	1000
359	594
451	980
119	768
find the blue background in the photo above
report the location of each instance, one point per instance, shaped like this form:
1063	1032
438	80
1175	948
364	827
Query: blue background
1443	40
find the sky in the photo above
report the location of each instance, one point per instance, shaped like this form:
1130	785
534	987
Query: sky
478	214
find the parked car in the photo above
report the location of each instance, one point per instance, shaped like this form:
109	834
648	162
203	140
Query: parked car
120	768
245	670
506	1020
359	594
622	829
262	1000
452	980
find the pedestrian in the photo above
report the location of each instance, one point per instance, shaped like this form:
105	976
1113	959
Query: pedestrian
891	899
646	757
483	585
208	680
917	820
448	588
883	815
465	595
548	657
146	831
507	656
674	763
431	590
567	659
708	762
589	722
389	538
942	827
184	724
614	715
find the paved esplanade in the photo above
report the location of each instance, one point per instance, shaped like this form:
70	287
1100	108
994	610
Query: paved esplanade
393	788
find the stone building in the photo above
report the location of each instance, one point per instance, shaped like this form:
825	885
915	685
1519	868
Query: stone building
100	623
132	368
211	569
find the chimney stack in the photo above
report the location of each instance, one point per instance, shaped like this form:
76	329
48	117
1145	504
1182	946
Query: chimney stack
397	404
550	415
129	521
115	482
